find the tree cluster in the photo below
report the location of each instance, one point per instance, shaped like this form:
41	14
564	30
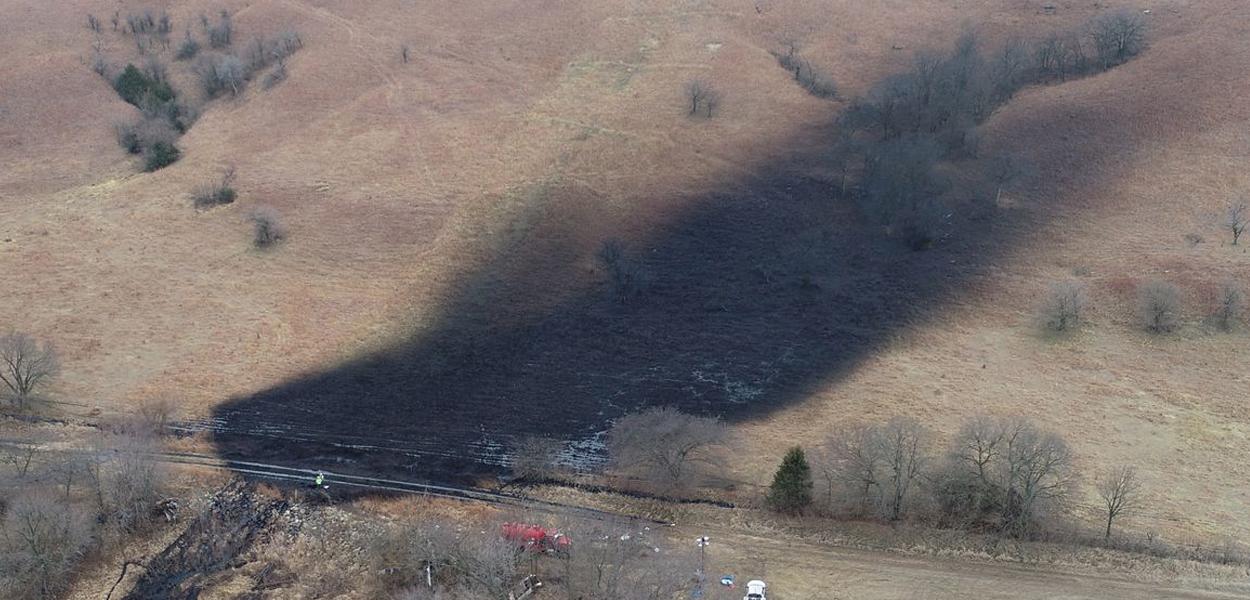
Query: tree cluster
1004	474
165	115
59	508
898	133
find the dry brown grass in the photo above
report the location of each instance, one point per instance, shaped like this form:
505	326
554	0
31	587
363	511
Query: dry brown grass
421	164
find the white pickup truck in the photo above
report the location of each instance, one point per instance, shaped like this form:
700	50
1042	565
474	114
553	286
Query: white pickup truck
755	590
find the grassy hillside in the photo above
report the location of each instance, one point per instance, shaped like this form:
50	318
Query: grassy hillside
445	215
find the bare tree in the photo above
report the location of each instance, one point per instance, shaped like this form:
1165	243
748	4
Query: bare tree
1120	492
403	53
853	460
627	277
536	457
221	73
126	480
1063	306
453	560
93	23
1229	302
616	564
967	490
41	541
1118	37
703	98
1035	468
1159	306
1007	470
25	365
903	441
1235	218
21	454
666	446
1009	68
156	414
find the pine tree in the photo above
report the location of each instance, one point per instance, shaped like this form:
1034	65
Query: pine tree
791	490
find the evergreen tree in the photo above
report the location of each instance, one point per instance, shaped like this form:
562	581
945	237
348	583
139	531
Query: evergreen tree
791	490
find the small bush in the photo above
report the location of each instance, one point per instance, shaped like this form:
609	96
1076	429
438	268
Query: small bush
220	73
537	458
216	193
1159	306
627	279
275	76
1064	306
160	155
134	86
144	134
187	49
1229	302
99	64
128	137
267	228
221	34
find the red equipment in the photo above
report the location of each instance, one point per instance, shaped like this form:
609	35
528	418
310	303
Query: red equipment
534	538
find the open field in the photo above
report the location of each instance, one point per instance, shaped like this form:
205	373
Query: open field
439	291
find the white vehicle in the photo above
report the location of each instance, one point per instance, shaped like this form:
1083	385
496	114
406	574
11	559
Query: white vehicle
755	590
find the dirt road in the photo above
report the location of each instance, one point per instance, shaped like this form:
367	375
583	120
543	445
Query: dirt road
797	570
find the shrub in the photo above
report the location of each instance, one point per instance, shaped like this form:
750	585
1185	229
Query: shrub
221	34
1063	306
99	64
536	458
128	137
791	490
275	76
144	134
134	86
267	228
220	73
665	446
41	542
1229	302
160	155
188	48
215	193
1159	306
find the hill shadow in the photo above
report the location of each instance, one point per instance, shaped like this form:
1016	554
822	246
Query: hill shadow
759	292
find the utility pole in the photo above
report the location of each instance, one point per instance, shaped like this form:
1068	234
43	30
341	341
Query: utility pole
702	543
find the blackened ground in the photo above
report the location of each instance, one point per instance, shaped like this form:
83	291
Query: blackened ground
753	300
759	292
